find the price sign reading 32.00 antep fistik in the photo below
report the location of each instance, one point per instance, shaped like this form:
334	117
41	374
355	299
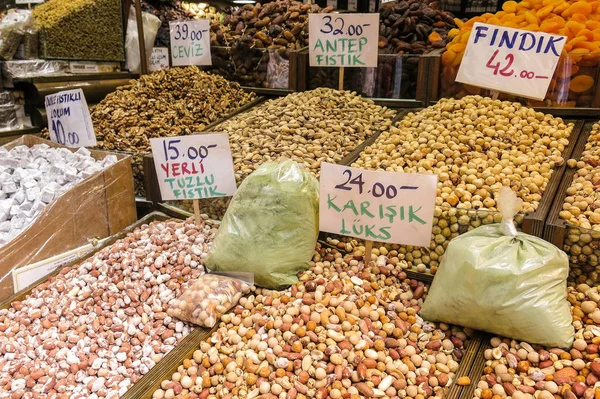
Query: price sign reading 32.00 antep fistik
194	167
379	206
343	40
510	60
69	120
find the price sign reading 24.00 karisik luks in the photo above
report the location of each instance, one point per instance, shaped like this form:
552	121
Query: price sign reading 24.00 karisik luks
343	40
379	206
194	167
510	60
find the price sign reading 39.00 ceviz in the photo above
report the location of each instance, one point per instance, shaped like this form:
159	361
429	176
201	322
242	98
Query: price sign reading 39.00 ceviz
379	206
69	120
343	40
510	60
190	43
194	167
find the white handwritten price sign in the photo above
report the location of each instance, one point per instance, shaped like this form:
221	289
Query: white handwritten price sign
510	60
69	120
190	43
343	40
159	59
379	206
194	167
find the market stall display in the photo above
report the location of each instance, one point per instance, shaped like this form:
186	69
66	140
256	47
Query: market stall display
81	29
173	102
166	11
476	145
343	330
96	327
202	11
311	127
574	83
520	370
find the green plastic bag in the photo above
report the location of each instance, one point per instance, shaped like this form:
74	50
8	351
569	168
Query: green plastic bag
496	279
271	226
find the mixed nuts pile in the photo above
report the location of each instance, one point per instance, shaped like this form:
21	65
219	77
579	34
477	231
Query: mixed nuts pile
172	102
311	127
523	371
344	330
475	145
94	329
581	209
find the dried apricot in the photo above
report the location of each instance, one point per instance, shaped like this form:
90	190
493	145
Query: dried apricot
566	71
448	57
510	6
581	83
580	7
434	37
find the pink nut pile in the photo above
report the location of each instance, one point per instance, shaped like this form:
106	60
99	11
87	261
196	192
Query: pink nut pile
97	327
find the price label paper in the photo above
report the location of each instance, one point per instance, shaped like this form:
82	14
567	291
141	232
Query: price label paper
510	60
69	120
190	43
379	206
194	167
343	40
159	59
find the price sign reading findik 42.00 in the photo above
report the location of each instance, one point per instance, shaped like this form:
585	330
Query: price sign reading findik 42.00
343	40
379	206
194	167
510	60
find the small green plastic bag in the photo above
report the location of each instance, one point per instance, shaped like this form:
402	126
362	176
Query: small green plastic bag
498	280
271	226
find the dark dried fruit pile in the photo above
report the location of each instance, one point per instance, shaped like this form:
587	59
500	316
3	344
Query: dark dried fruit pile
413	27
166	11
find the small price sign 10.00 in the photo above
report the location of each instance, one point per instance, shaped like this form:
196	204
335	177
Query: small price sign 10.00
510	60
69	120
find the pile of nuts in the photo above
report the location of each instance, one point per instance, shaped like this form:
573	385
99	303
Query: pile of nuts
581	209
311	127
523	371
475	145
81	29
95	328
344	330
202	11
32	177
166	103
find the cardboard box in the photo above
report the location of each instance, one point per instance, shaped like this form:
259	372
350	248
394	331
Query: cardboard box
97	207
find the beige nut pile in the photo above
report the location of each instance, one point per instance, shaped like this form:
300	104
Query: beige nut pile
343	331
475	145
207	299
582	204
523	371
167	103
97	327
322	125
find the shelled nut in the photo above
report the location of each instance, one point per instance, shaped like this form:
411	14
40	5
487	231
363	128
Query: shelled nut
476	146
173	102
95	328
524	371
581	211
344	330
311	127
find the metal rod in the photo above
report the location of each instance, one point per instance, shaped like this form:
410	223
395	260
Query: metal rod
142	43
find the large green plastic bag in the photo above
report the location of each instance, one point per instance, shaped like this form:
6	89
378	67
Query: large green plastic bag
271	226
496	279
